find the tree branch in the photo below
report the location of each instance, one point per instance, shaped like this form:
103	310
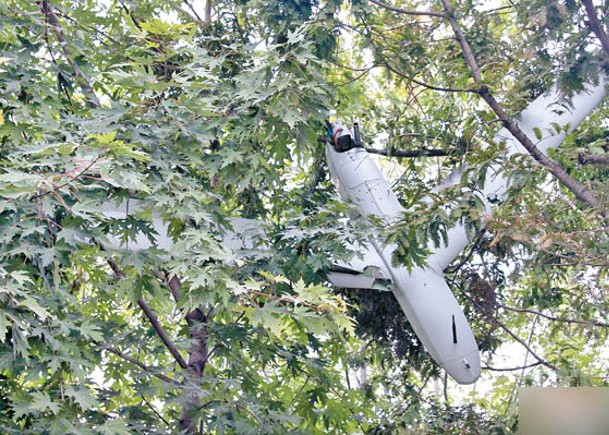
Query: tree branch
426	85
580	192
465	48
525	345
556	318
71	178
235	404
497	322
137	363
593	159
406	11
153	320
162	333
194	11
198	354
83	81
149	405
197	359
207	12
133	19
392	152
595	25
511	369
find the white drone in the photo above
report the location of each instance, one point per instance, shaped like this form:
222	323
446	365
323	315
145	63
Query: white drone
423	293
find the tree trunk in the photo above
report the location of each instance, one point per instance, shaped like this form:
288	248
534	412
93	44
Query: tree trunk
197	324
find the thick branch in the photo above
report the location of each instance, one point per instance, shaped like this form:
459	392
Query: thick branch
406	11
174	286
207	12
161	332
467	51
197	358
593	159
198	355
153	320
137	363
596	26
580	192
83	81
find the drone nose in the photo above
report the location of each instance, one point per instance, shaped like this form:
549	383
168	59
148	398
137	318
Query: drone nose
464	369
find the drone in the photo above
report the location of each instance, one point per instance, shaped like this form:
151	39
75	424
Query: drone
422	292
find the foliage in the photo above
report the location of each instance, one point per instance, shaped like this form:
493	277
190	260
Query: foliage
207	114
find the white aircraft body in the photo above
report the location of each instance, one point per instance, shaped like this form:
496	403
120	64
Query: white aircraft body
423	292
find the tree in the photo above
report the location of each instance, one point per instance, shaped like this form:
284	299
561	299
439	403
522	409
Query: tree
214	111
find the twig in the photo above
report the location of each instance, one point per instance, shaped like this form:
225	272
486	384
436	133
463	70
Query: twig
393	152
445	388
70	180
555	318
426	85
404	76
235	404
304	384
83	81
359	76
475	245
137	363
406	11
517	385
154	410
514	336
135	21
194	11
511	369
90	29
525	345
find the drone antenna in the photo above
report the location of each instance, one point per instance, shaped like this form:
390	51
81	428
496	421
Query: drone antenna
357	137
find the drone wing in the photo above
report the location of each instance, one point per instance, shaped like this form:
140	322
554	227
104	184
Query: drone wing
367	270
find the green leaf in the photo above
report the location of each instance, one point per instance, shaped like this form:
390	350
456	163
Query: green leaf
42	402
82	396
32	305
115	427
